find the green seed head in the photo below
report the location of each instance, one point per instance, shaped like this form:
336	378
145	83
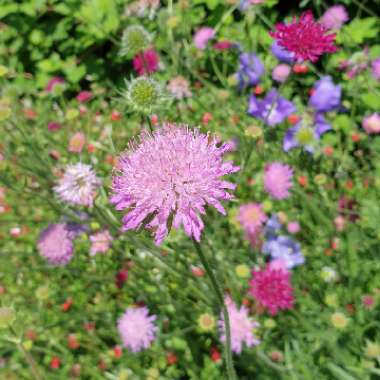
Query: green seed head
135	39
305	136
7	317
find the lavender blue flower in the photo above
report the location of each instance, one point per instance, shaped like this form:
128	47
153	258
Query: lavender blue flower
306	133
284	248
282	54
250	70
273	109
326	95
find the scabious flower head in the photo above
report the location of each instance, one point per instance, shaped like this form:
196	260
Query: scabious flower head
56	244
371	124
53	82
306	133
242	327
278	180
273	109
84	96
376	69
306	38
146	62
252	218
339	320
281	72
136	328
282	54
250	70
272	289
202	36
135	39
283	248
100	242
206	322
145	95
76	142
326	95
172	174
179	87
78	185
334	17
142	8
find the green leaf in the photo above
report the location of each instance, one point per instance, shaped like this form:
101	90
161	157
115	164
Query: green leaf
372	100
358	31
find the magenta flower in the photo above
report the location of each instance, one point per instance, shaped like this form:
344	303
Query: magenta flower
146	62
84	96
53	82
278	180
100	242
172	174
136	328
202	36
242	327
306	38
272	289
334	17
78	185
55	244
54	126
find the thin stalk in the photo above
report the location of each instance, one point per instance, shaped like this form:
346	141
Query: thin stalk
28	357
219	295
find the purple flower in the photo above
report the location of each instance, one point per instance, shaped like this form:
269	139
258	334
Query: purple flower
78	185
273	109
278	180
306	133
284	248
100	242
55	244
242	327
326	95
202	36
282	54
281	72
172	174
376	69
250	70
272	227
334	17
136	328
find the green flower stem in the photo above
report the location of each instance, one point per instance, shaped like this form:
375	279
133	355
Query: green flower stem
28	357
219	295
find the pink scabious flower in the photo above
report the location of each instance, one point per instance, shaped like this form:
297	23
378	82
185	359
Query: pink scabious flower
272	289
172	174
76	142
53	126
84	96
306	38
55	244
371	124
376	69
179	87
136	328
252	218
278	180
334	17
53	82
146	62
100	242
202	36
78	185
242	327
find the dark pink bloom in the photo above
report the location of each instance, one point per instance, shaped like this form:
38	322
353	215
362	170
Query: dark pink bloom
53	126
84	96
306	38
52	82
272	289
146	62
223	45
